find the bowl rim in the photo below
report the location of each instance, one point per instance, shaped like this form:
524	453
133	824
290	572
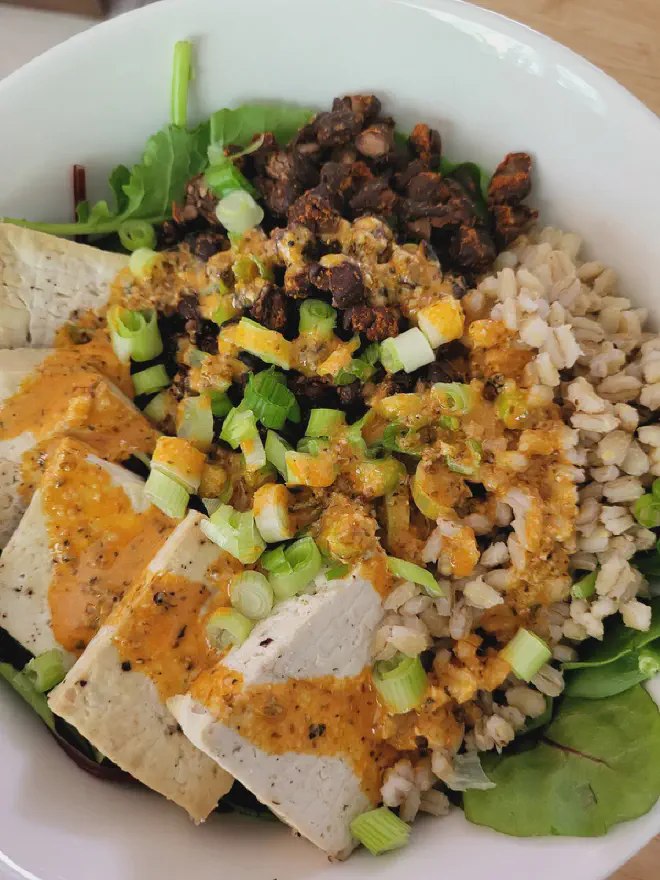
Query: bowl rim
626	104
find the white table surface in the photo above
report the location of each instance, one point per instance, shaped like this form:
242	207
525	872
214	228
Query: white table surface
26	33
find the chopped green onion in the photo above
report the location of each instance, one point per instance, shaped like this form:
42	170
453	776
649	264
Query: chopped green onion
181	76
409	351
455	397
313	445
401	683
239	425
361	368
270	400
271	511
220	403
303	469
337	571
415	573
224	178
243	268
252	595
212	504
292	568
269	345
24	686
511	408
468	467
167	494
227	627
196	357
238	212
134	334
317	317
150	380
380	830
373	479
324	422
585	587
142	262
195	421
468	774
526	653
235	532
646	511
225	312
276	450
649	661
156	409
253	452
46	670
136	234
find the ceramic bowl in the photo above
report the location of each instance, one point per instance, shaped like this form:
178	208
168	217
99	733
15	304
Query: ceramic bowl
490	86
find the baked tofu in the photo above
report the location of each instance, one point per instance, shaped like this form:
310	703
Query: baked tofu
151	647
290	712
86	534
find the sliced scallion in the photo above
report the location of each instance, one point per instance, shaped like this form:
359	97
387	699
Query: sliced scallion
269	345
142	262
276	450
178	459
46	670
238	212
235	532
585	587
646	511
227	628
442	321
455	397
150	380
467	463
134	334
317	317
511	408
380	830
337	571
401	683
270	400
409	351
415	573
136	234
239	425
303	469
224	178
292	568
224	312
313	445
252	595
253	453
324	422
526	653
156	409
220	403
166	494
271	505
194	421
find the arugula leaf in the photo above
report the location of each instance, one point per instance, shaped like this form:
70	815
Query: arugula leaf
240	125
619	640
598	765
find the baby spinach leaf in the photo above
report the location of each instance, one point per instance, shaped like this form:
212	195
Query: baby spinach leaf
598	764
596	682
240	125
619	640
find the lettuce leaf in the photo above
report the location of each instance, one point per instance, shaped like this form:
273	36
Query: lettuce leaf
598	764
619	640
240	125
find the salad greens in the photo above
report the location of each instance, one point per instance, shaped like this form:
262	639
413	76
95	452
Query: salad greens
598	764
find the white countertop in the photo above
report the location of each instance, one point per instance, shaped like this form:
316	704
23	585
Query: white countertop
26	33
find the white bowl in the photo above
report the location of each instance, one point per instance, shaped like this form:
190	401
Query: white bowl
491	86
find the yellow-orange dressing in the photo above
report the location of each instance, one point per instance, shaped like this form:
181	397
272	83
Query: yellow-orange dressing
69	394
97	540
326	716
160	626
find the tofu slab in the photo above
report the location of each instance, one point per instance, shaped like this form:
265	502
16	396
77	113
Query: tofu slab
86	532
80	403
119	704
43	279
304	757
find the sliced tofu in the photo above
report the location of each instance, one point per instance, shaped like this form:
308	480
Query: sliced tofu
14	367
149	649
290	712
43	279
61	400
86	533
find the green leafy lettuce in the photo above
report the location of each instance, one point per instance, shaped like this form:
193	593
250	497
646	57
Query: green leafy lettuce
619	640
598	764
239	126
